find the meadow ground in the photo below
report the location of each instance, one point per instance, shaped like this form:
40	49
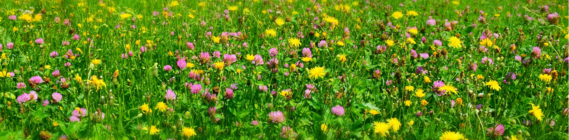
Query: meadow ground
284	69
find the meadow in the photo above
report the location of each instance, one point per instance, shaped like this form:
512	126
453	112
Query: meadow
284	69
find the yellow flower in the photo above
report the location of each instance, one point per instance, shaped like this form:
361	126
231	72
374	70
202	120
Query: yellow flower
280	21
219	65
125	15
190	65
549	90
424	102
493	85
394	123
479	77
154	130
145	108
373	112
342	58
188	132
381	128
271	33
285	93
174	4
486	42
324	127
389	42
409	88
26	17
536	111
232	8
161	106
455	2
545	77
397	15
295	42
411	41
340	43
96	61
99	83
408	103
55	124
411	122
427	79
250	57
448	89
412	13
292	67
451	136
306	59
78	79
317	72
420	93
455	42
331	20
413	31
215	39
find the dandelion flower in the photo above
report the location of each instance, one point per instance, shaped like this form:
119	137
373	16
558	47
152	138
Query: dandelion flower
397	15
409	88
188	132
451	136
394	124
420	93
455	42
250	57
154	130
389	42
545	77
280	21
424	102
295	42
324	127
373	112
161	106
536	111
408	103
448	89
493	85
342	58
381	128
412	13
306	59
316	72
96	61
145	108
219	65
270	33
486	42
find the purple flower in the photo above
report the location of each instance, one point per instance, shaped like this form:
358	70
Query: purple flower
438	42
519	58
474	66
388	82
424	55
496	131
205	57
479	106
276	117
23	98
307	93
10	45
45	103
216	54
431	22
212	110
57	97
338	110
170	95
273	52
74	119
190	45
80	113
196	88
536	52
287	132
75	37
229	58
55	73
36	80
33	96
229	93
167	68
322	43
255	123
414	54
181	63
52	54
39	41
21	85
263	88
306	52
12	17
258	60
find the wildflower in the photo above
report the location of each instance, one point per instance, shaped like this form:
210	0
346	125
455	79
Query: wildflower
394	124
324	127
255	123
96	61
448	89
170	95
381	128
287	132
338	110
181	63
431	22
413	31
409	88
545	77
493	85
424	102
373	112
412	13
154	130
486	42
279	21
294	42
23	98
270	33
306	59
36	80
455	42
452	136
125	15
74	119
80	112
97	83
342	58
145	108
389	42
188	132
317	72
286	93
408	103
196	88
426	79
56	96
419	93
496	131
276	117
536	111
161	106
397	15
219	65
